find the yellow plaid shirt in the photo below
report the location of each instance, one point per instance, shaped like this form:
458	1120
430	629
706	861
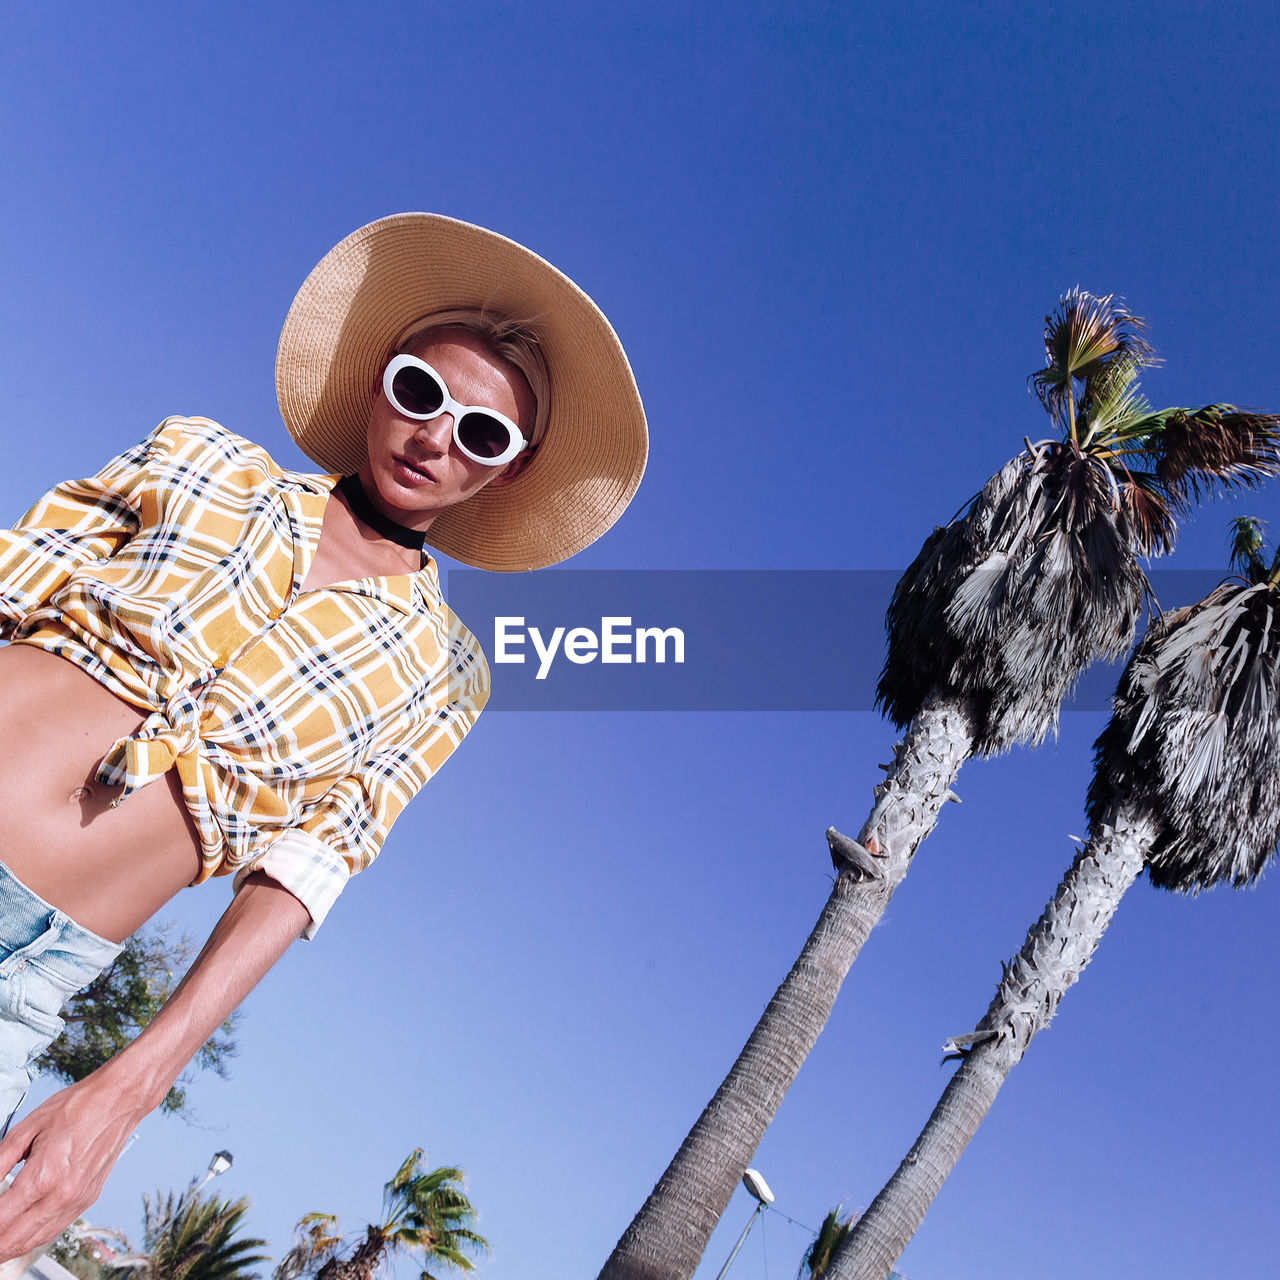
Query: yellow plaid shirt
300	723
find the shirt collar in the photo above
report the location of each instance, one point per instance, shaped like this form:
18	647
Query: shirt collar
305	496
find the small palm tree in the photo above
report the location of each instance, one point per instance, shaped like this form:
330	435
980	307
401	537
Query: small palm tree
424	1214
988	629
817	1257
315	1241
190	1237
1187	785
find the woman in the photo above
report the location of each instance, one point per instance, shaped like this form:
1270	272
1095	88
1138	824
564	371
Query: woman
219	667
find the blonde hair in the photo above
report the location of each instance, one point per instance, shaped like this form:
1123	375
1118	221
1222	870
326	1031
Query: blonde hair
515	341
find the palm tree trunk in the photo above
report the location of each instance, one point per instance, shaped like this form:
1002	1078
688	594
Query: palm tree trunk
667	1238
362	1264
1057	949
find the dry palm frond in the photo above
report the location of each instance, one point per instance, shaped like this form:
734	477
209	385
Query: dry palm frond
1196	737
316	1240
1198	451
1010	603
1151	516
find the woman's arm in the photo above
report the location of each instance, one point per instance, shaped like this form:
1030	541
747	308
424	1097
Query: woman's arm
71	1142
76	522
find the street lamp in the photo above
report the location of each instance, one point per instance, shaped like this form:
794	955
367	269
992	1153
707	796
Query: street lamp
220	1163
759	1190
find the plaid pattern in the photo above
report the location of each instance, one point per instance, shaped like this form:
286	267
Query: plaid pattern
300	723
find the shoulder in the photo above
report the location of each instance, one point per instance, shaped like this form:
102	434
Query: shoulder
183	446
202	440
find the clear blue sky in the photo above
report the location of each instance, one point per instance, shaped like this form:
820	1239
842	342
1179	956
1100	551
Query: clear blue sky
827	235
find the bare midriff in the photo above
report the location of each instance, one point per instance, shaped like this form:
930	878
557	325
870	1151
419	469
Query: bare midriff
108	869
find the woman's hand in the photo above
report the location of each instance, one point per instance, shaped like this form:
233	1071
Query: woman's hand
70	1144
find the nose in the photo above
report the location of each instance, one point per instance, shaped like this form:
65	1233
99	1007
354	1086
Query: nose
436	433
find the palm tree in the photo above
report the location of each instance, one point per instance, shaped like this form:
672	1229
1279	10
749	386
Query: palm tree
425	1214
190	1237
1187	785
988	629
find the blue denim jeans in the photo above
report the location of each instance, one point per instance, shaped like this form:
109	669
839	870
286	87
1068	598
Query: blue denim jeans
44	959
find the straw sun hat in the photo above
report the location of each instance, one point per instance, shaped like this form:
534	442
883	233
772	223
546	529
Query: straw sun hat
371	287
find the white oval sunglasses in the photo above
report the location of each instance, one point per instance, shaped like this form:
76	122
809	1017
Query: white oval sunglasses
419	392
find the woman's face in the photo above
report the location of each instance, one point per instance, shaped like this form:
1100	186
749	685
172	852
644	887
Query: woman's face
415	471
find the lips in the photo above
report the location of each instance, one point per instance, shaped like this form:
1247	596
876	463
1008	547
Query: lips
411	473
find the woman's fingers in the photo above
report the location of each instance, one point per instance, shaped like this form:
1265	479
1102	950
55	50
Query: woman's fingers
69	1144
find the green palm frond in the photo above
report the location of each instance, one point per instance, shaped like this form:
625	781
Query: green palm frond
817	1258
1246	549
1083	339
410	1238
406	1173
455	1257
193	1238
1111	401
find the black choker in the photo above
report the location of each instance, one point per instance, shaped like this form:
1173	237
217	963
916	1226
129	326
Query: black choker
367	513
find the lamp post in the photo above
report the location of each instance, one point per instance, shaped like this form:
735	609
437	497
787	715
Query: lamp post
220	1163
759	1190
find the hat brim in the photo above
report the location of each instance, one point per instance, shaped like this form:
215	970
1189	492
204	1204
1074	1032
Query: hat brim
371	287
